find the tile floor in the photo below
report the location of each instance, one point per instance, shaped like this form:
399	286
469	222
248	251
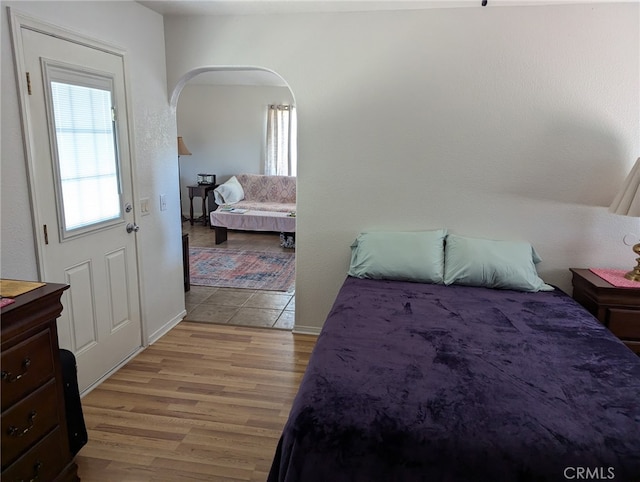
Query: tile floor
274	309
244	307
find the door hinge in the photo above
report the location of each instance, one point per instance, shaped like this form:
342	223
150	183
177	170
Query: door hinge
46	234
28	83
113	114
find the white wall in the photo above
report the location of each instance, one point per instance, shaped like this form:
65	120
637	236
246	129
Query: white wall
504	122
224	127
141	33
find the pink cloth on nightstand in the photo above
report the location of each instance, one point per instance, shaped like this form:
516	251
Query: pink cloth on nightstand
615	277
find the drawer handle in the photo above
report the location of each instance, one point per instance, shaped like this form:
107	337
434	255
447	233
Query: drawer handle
36	472
26	363
16	432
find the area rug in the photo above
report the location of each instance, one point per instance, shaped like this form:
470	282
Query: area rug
236	268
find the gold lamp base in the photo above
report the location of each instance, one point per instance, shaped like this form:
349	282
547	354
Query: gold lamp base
634	274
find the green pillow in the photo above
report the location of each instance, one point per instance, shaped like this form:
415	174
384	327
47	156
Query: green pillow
492	264
404	256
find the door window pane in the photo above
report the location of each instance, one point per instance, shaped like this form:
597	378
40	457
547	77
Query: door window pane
86	154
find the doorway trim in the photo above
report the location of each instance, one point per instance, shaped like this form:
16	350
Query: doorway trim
175	94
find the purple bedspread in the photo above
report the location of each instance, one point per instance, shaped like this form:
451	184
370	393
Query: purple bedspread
427	382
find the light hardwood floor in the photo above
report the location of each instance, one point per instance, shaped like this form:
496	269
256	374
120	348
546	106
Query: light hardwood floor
205	402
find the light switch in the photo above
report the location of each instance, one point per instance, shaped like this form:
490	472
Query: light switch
144	206
163	202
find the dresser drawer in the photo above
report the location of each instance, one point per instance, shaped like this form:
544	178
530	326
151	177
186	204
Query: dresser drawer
634	346
28	421
25	367
34	443
625	324
42	462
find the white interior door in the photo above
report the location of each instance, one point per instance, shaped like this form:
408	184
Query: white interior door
80	169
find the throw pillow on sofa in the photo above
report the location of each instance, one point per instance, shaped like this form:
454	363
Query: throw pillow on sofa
230	192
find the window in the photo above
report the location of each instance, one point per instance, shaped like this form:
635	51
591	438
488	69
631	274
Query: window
84	150
281	156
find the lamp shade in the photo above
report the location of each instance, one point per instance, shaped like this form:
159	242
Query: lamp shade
182	148
627	202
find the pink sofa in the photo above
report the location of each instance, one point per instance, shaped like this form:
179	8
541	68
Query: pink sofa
271	201
258	193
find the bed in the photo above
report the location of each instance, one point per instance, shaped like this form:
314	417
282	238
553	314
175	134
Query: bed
451	382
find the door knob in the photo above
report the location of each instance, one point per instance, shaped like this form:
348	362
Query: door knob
132	227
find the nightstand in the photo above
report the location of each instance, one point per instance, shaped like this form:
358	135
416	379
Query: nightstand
617	308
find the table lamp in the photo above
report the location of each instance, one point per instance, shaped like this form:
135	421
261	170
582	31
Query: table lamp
627	203
182	148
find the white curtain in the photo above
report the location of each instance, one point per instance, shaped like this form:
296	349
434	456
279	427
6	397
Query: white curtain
281	155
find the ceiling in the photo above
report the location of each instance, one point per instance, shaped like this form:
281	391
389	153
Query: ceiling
264	7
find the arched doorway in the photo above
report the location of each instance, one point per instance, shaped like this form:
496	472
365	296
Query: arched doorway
221	114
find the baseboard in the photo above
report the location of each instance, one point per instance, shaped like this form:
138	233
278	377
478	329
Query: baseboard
166	327
152	339
306	330
95	384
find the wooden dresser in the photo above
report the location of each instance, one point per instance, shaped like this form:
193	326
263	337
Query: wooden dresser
35	445
617	308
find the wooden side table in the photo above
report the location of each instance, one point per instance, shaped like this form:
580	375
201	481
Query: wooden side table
616	308
201	191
